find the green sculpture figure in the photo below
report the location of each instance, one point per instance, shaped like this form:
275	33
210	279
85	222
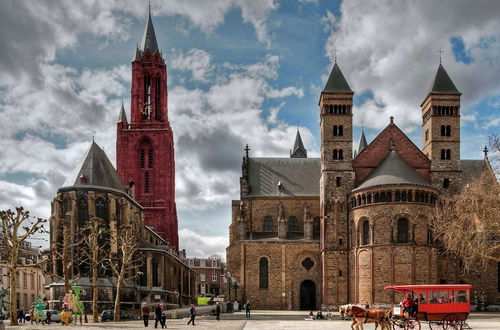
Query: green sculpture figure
78	305
39	308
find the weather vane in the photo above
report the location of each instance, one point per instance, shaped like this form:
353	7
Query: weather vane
440	51
335	50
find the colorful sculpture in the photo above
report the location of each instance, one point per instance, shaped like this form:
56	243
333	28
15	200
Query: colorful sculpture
39	309
78	309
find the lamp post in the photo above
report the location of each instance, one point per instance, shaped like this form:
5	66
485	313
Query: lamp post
230	282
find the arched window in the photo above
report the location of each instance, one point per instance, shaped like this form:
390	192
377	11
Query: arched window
343	109
331	109
335	130
263	273
268	224
341	154
316	227
341	130
448	154
157	96
448	130
146	115
101	209
293	225
403	230
366	232
377	198
443	130
143	158
146	182
335	154
118	213
403	196
150	158
83	211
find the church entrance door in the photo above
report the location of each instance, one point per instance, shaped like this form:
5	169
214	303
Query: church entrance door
308	295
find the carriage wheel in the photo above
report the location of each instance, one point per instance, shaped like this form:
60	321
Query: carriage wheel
412	324
452	322
436	325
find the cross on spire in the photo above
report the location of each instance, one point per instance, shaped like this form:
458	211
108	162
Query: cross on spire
246	150
440	51
335	50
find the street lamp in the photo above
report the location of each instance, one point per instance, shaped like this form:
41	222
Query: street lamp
231	282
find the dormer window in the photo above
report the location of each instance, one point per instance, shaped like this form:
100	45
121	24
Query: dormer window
83	179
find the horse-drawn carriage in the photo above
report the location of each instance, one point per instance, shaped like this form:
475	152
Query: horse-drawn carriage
442	306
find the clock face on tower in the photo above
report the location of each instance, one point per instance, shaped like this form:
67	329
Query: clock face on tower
146	110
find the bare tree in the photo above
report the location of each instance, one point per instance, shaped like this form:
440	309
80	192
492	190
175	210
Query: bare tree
126	262
17	227
94	254
468	224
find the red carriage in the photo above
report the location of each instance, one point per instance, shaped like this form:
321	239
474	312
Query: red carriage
442	306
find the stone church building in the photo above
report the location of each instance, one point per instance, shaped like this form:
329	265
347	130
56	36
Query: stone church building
140	193
320	232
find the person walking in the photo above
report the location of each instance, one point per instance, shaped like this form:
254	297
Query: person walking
158	316
145	313
48	316
192	314
217	312
247	309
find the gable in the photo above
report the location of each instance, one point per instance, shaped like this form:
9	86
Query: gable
372	155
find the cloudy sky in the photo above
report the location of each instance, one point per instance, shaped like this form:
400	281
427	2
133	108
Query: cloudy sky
239	72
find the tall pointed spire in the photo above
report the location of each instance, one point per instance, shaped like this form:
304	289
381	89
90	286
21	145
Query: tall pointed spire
442	83
336	82
123	115
298	150
149	38
362	142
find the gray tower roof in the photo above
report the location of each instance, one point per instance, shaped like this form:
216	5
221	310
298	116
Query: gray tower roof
149	38
123	115
96	171
442	83
393	171
362	142
298	150
336	82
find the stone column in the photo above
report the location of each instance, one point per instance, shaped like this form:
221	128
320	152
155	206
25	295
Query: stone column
149	270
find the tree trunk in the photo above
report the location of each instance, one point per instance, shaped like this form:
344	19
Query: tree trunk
95	311
117	298
65	256
12	295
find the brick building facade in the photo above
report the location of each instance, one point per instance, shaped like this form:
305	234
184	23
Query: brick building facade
310	233
209	275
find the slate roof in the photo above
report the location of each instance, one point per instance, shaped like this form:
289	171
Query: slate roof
149	37
393	170
299	176
336	82
98	171
471	169
298	151
442	83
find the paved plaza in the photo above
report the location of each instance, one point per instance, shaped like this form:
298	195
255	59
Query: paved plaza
262	320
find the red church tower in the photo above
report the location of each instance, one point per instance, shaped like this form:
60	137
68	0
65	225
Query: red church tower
145	146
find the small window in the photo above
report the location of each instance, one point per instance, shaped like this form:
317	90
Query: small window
340	242
268	224
448	130
150	160
448	154
202	277
263	273
338	181
341	130
403	230
143	158
340	273
443	154
293	225
426	135
366	232
446	183
214	277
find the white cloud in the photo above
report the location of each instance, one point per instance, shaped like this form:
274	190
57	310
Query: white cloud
202	246
197	61
389	48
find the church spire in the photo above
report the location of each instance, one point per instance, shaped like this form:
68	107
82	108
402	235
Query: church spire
336	82
123	115
442	83
362	142
298	150
149	38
